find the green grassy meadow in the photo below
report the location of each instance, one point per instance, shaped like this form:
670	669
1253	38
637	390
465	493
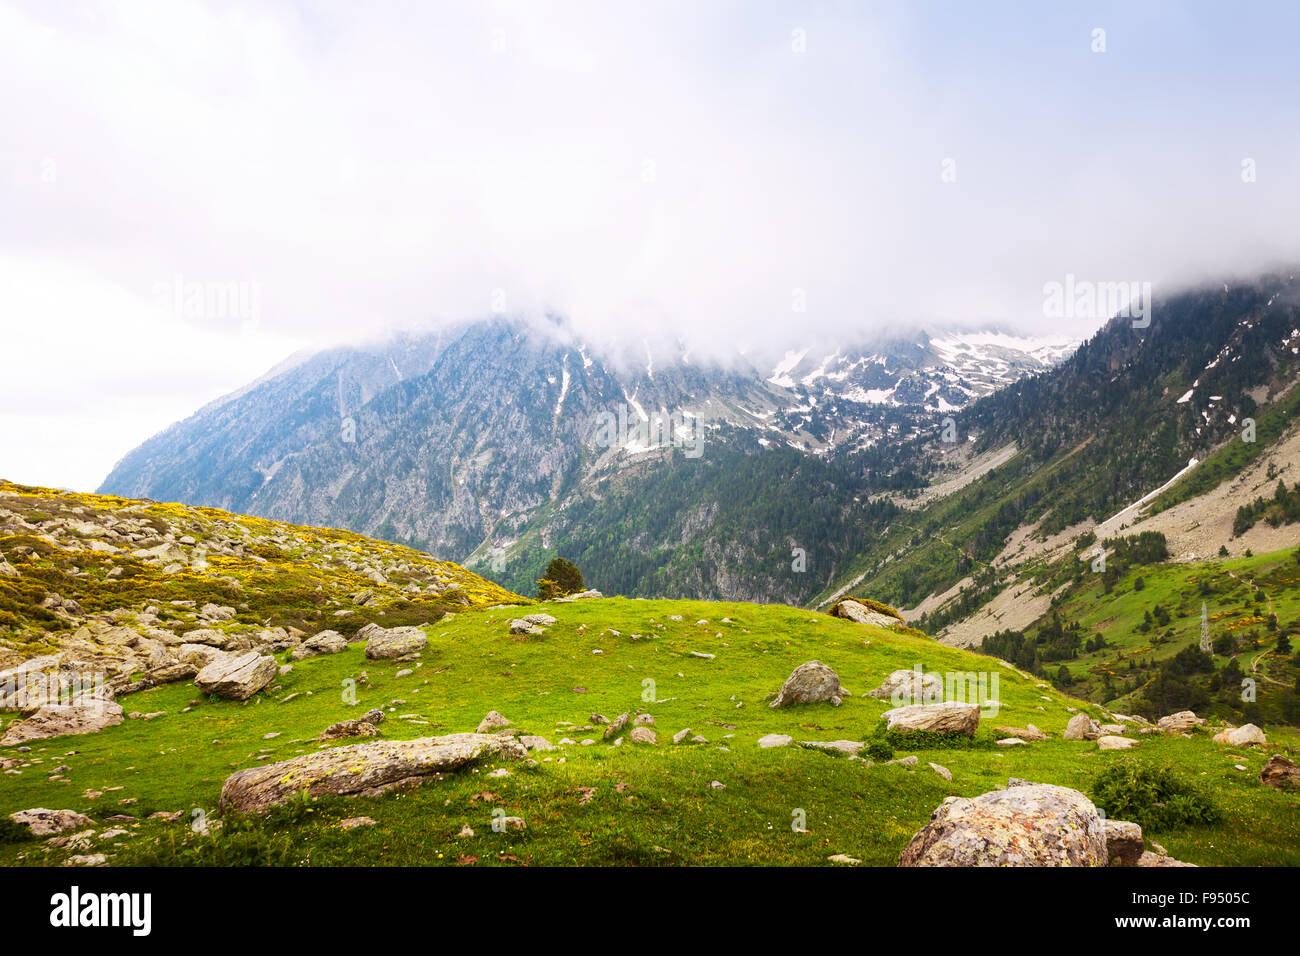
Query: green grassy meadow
597	804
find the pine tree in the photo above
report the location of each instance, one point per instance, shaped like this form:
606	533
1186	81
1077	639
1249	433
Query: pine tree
562	577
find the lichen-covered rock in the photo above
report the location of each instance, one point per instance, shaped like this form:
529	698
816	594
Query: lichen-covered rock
1280	773
1183	722
867	612
947	718
237	676
349	728
810	683
44	822
392	642
1248	735
1124	844
365	769
82	715
326	642
1035	825
910	687
643	735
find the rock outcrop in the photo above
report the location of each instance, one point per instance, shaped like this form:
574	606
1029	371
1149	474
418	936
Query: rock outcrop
83	715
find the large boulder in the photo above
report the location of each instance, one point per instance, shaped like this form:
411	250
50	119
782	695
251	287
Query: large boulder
1247	735
1113	742
363	770
1034	825
326	642
910	687
1280	773
947	718
395	642
864	612
810	683
1082	727
237	676
82	715
1183	722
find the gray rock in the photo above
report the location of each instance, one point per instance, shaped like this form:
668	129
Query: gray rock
1183	722
949	717
810	683
910	686
326	642
367	769
833	746
1248	735
490	723
395	642
1082	727
775	740
82	715
237	676
1124	845
44	822
1037	825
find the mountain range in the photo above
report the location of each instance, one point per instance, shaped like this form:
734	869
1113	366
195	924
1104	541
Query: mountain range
499	442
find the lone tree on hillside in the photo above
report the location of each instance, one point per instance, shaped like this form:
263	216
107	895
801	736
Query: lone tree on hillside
562	577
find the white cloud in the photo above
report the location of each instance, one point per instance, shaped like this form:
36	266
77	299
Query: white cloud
650	170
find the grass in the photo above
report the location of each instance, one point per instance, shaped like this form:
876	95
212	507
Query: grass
632	804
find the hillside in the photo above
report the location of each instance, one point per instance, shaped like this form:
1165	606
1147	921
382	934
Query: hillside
116	583
150	785
1101	445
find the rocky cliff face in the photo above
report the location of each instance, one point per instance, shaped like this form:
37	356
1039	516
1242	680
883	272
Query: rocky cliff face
489	437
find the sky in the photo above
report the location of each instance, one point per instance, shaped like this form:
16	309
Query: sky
191	191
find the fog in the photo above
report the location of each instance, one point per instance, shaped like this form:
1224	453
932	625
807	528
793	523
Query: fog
191	191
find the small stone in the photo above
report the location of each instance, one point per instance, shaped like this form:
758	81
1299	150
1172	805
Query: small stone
351	823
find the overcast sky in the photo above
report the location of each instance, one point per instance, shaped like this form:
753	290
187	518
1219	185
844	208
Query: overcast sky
190	191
